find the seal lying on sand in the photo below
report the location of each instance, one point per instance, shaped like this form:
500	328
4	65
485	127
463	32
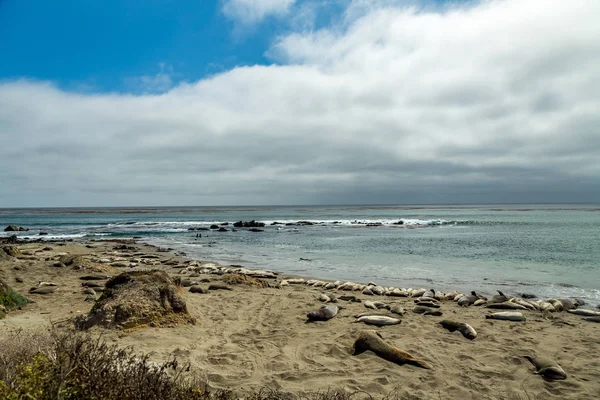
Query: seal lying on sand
426	311
464	328
507	316
549	369
592	319
585	313
379	320
371	340
324	313
43	290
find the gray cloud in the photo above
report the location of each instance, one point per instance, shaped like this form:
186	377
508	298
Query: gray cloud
495	102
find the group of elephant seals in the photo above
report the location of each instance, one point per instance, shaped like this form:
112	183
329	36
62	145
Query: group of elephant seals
372	340
548	369
464	328
325	313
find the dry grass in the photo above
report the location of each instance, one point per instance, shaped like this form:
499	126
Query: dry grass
239	279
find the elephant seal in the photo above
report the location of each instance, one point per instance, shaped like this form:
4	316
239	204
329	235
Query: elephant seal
350	298
585	313
218	286
428	304
466	301
397	309
506	306
325	313
592	319
568	304
197	289
43	290
464	328
89	291
499	298
379	320
372	340
426	311
367	291
549	369
507	316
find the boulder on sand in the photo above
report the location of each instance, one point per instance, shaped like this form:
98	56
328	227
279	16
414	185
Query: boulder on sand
137	298
9	251
14	228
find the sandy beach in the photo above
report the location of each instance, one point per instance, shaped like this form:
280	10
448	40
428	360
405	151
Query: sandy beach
249	338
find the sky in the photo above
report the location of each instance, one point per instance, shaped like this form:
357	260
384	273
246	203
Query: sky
260	102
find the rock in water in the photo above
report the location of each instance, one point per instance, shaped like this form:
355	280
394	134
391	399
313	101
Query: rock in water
137	298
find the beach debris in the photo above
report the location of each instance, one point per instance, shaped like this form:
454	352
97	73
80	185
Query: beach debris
465	329
137	298
378	320
373	341
324	313
507	316
547	368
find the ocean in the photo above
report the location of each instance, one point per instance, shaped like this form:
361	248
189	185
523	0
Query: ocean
547	250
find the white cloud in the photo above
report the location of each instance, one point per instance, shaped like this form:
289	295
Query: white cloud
496	102
254	11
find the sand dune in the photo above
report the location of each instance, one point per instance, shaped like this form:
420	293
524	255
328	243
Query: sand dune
249	338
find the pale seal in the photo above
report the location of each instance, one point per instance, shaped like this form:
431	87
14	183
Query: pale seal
43	290
507	316
324	313
398	309
549	369
371	340
506	306
379	320
464	328
585	313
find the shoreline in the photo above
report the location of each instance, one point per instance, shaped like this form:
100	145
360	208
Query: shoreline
250	338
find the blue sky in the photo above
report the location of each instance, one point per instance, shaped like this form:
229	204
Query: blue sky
242	102
85	45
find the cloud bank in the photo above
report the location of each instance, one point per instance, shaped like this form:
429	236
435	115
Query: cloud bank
494	102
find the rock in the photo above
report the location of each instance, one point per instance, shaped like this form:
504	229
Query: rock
18	279
223	230
239	279
249	224
528	296
12	251
75	261
255	230
225	224
58	264
42	233
14	228
214	227
47	248
137	298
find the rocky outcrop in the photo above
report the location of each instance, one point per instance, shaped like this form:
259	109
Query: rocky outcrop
137	298
249	224
14	228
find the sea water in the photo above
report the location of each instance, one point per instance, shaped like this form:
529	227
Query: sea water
547	250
